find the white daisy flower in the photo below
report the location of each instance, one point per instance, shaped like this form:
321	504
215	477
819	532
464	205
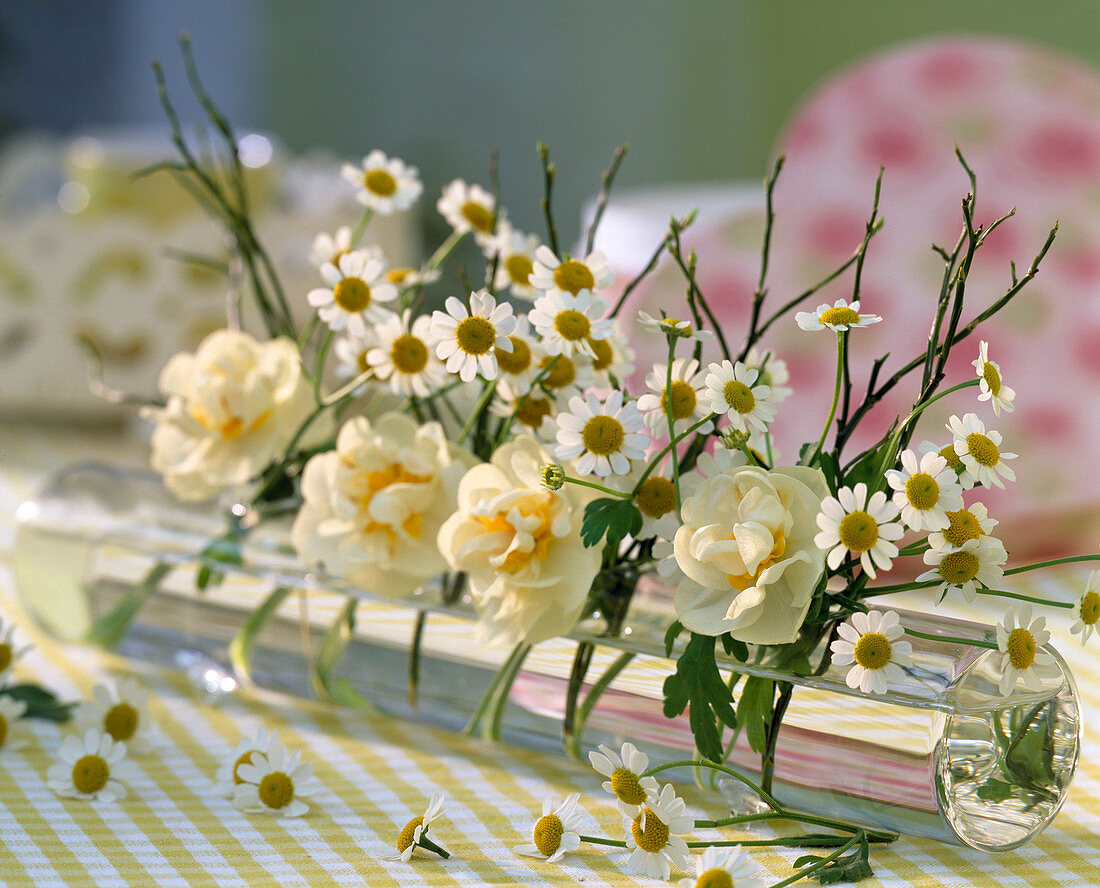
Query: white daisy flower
403	356
724	868
735	390
623	770
1019	639
562	374
355	294
772	372
328	248
467	339
569	322
275	783
553	275
971	523
9	653
519	366
556	831
654	835
656	500
840	316
992	389
11	722
869	642
949	455
974	562
1086	610
850	523
385	184
684	393
405	276
90	768
980	453
613	358
415	833
673	327
601	437
469	208
351	350
534	411
228	778
515	252
119	711
925	491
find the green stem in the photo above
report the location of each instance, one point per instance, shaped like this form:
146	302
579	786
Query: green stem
714	766
594	486
573	741
841	345
364	221
444	250
794	817
492	702
973	642
109	629
596	840
821	864
656	460
1070	559
486	396
414	657
1000	593
428	845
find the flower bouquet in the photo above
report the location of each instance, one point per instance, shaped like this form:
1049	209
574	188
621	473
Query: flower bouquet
496	451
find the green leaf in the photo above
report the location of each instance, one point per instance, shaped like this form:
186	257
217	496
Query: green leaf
698	684
851	867
41	703
613	517
754	710
736	649
240	648
994	790
672	633
224	550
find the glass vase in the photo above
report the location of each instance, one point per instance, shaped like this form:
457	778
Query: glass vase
942	755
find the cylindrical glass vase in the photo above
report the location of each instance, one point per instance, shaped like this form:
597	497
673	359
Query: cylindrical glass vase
941	755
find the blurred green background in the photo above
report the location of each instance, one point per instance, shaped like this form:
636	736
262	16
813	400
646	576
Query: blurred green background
700	90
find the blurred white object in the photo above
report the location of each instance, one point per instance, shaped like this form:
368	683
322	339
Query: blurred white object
87	251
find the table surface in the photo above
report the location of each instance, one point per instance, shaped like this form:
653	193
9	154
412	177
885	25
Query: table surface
377	773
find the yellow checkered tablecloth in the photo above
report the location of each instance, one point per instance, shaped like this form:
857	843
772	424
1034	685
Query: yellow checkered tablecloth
377	773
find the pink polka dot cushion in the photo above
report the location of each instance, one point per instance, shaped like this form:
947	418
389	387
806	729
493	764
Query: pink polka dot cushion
1028	124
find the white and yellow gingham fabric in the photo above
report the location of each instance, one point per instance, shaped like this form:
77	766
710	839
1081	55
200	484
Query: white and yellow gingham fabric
378	773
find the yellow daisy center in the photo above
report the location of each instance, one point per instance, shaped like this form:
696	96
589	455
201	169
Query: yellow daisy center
651	837
409	354
715	878
5	656
1021	648
548	833
245	759
399	274
922	491
475	335
352	294
519	268
983	450
3	730
380	182
90	774
873	650
532	411
1090	608
121	721
601	348
603	435
739	396
479	216
949	454
656	497
964	526
627	787
683	400
407	835
561	374
959	567
517	360
573	276
840	315
858	531
364	364
276	790
572	325
992	378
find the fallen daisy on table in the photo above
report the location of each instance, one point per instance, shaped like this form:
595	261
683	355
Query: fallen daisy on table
228	777
119	711
275	783
556	831
90	767
869	642
654	835
415	833
624	776
11	723
723	868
